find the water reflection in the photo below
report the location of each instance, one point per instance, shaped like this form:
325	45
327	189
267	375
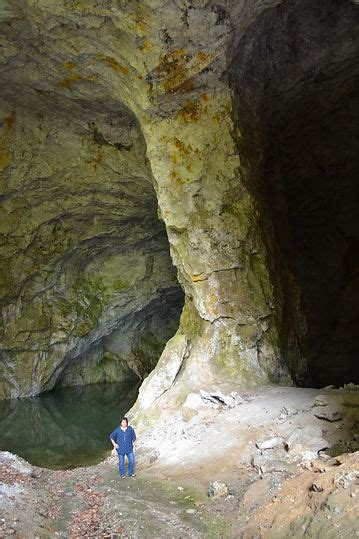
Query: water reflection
66	427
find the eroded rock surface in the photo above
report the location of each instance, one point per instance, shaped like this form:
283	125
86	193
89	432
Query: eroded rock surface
89	293
232	104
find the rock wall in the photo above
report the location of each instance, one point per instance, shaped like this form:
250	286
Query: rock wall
298	90
203	89
89	293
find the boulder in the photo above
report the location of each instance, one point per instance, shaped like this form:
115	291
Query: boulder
191	406
304	444
329	414
268	463
321	400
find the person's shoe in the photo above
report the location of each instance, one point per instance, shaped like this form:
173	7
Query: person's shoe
123	476
133	475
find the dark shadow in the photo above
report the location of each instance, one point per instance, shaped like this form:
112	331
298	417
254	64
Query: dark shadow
296	80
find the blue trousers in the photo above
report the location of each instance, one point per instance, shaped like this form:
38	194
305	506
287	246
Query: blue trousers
131	463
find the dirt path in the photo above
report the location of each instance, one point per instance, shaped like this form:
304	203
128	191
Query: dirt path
96	502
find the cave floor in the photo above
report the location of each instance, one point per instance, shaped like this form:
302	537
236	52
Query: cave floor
288	490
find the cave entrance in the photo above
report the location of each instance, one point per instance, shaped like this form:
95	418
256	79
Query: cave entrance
124	295
296	79
97	291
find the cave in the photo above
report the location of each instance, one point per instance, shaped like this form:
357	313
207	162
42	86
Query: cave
89	292
296	91
176	194
179	236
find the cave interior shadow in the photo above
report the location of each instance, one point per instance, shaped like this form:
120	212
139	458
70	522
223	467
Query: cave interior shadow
296	86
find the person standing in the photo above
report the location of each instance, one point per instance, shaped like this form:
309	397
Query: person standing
123	439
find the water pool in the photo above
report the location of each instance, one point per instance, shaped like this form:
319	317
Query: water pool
67	427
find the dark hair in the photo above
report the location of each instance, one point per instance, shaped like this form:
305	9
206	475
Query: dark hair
124	419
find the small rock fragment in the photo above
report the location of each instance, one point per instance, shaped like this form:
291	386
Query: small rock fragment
265	463
237	398
289	410
347	478
191	406
351	386
321	400
304	444
269	443
218	489
218	398
329	415
227	400
316	488
208	399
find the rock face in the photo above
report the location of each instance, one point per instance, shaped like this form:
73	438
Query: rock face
89	293
229	110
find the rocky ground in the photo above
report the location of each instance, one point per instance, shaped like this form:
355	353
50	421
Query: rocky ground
275	463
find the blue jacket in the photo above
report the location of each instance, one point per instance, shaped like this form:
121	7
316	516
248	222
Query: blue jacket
124	439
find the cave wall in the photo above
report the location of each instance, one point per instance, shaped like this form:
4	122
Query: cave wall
85	265
197	89
297	93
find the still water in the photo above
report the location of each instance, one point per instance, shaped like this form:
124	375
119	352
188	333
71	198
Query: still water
67	427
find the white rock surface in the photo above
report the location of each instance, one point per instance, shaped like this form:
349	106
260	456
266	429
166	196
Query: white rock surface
329	414
269	443
218	489
304	444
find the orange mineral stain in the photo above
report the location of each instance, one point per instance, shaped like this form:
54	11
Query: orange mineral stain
113	63
10	120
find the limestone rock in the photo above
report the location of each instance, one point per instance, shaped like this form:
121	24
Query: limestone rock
89	293
162	379
320	400
270	443
17	464
329	414
191	406
346	479
208	399
227	400
218	489
304	444
216	398
109	110
268	462
316	487
351	387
